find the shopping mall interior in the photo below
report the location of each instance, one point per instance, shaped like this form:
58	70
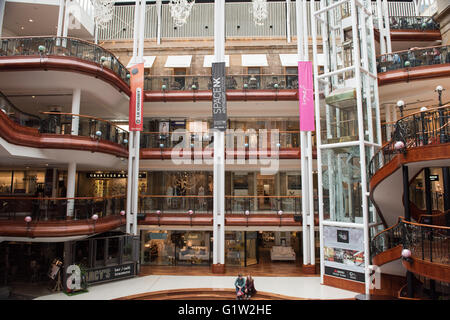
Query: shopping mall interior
359	202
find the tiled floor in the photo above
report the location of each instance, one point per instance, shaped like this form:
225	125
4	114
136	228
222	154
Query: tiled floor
300	287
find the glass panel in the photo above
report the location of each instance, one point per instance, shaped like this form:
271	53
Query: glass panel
234	248
82	253
5	182
251	247
113	251
99	252
341	176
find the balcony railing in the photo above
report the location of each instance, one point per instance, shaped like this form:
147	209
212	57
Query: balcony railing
45	208
233	82
426	242
233	204
61	123
415	130
286	139
410	23
63	46
16	115
413	58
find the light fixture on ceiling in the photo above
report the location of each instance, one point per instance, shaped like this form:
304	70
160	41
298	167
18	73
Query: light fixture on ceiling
30	20
21	28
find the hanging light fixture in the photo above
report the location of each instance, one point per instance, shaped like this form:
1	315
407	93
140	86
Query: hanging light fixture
103	12
259	11
180	11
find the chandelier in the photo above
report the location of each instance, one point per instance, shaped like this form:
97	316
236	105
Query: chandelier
103	12
259	11
180	11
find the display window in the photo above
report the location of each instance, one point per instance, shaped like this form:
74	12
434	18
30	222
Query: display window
176	247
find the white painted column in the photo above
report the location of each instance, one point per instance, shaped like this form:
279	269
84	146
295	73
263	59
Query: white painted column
219	147
387	26
66	21
288	21
71	174
381	28
158	14
76	99
2	13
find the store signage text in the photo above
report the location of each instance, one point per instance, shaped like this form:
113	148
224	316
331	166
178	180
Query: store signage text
112	175
110	273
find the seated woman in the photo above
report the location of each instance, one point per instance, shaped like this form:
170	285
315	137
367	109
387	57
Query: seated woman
249	287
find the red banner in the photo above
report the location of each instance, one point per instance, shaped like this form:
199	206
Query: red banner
135	116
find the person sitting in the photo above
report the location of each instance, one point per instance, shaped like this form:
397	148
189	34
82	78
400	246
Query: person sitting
249	287
239	284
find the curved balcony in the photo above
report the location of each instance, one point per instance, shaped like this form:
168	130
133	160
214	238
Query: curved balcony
62	53
47	217
53	130
419	129
417	63
411	28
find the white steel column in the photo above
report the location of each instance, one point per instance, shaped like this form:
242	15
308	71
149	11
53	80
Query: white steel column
76	98
387	26
381	28
71	174
134	136
59	31
2	13
219	147
288	21
305	147
158	13
66	21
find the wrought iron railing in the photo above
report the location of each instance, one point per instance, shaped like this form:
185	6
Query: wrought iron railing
415	130
63	46
88	126
413	57
285	139
17	115
233	82
233	204
426	242
46	208
410	23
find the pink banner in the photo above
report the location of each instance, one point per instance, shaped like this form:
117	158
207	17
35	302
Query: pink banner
305	96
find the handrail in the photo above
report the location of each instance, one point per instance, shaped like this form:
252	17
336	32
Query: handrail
82	116
64	46
412	49
416	129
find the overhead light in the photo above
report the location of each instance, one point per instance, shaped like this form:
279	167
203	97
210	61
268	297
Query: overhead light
33	97
30	20
22	28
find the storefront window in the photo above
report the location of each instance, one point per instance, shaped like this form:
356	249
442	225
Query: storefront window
175	247
82	253
234	248
113	251
99	252
5	182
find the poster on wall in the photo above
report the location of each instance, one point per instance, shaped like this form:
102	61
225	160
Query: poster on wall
344	253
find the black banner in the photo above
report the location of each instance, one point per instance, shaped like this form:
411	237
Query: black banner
110	273
345	274
219	99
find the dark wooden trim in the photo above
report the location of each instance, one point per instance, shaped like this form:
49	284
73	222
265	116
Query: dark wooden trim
414	73
435	271
218	268
235	219
30	137
349	285
59	228
61	63
309	268
388	256
411	35
423	153
232	95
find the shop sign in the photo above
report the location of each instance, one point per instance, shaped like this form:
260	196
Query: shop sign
219	99
434	177
110	273
112	175
135	122
344	253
